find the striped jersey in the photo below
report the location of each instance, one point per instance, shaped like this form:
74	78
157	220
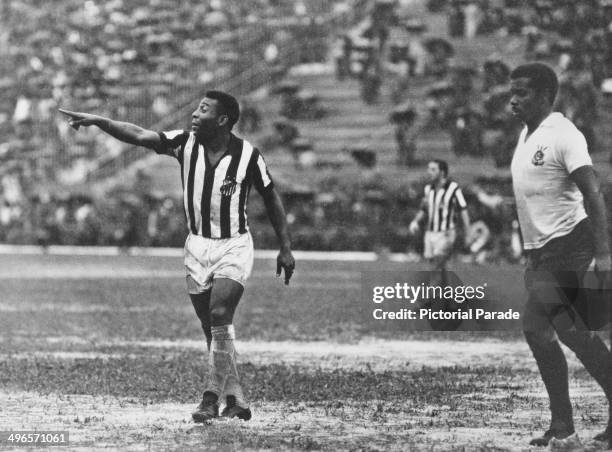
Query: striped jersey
441	205
215	196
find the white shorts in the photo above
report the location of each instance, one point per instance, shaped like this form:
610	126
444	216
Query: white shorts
439	243
207	259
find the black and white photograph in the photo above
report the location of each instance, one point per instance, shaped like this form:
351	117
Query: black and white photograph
360	225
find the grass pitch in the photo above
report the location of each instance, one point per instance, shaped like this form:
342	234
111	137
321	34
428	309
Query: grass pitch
109	349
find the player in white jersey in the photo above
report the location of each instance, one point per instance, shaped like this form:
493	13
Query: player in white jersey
217	170
554	180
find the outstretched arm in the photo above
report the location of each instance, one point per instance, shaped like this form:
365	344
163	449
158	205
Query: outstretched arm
276	213
123	131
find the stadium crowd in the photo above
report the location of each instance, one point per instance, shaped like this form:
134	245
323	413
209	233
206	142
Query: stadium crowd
368	215
139	60
469	99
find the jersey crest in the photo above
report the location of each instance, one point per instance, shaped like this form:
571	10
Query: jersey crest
538	157
228	187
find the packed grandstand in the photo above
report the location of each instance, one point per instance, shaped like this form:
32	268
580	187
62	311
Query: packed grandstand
347	99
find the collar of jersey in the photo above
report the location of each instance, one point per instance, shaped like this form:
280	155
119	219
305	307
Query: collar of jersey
232	146
552	119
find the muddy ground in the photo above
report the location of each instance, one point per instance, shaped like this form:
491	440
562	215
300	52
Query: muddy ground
116	358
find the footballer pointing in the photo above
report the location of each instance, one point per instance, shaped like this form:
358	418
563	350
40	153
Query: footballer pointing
218	170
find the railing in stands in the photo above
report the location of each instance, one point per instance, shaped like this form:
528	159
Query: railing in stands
242	83
248	80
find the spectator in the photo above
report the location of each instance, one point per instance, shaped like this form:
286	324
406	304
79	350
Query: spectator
577	100
472	19
403	119
456	21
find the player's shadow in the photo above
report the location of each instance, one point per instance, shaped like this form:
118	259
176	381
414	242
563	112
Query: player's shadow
592	304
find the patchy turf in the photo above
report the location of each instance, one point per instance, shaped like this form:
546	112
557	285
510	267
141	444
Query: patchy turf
324	301
99	347
124	403
179	376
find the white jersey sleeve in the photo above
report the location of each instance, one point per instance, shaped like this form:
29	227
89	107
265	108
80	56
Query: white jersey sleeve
572	150
460	199
259	172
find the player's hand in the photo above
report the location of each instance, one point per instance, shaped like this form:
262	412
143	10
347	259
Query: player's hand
285	261
413	228
78	119
468	239
470	236
603	270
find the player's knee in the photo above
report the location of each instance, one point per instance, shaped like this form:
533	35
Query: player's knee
539	338
220	315
437	263
205	325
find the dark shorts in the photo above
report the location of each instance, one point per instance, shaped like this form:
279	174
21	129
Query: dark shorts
554	279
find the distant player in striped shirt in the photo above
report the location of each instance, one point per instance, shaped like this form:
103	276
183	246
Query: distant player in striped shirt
441	202
218	170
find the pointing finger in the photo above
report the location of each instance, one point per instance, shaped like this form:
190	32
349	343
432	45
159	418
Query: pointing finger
72	114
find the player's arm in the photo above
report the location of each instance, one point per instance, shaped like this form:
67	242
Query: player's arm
461	204
465	219
123	131
465	216
586	180
418	218
276	213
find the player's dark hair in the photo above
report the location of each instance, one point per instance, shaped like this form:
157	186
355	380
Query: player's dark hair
228	103
442	166
541	78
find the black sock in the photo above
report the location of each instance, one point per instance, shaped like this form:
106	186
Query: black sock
553	369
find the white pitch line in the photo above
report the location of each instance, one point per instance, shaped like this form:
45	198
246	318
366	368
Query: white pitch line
377	354
91	273
372	352
61	250
366	348
28	306
311	285
316	280
65	355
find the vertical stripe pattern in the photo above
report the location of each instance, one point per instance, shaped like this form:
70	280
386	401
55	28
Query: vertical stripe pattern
227	189
442	204
215	196
189	191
